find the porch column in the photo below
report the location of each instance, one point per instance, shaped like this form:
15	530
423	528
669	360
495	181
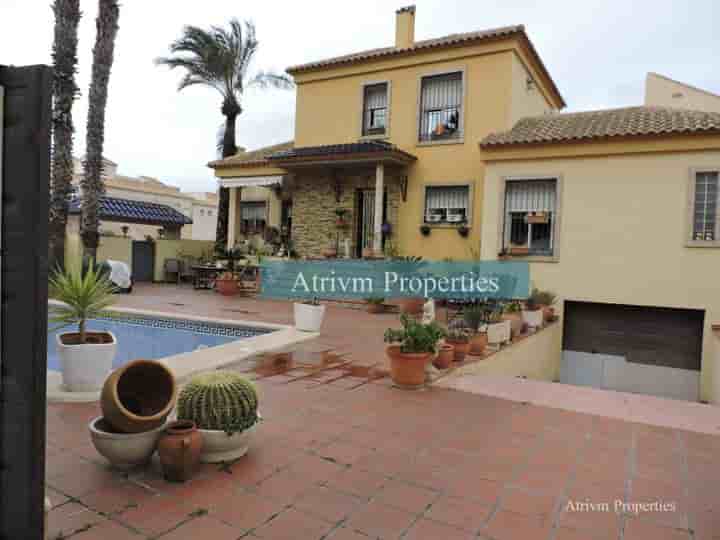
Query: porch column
379	193
232	217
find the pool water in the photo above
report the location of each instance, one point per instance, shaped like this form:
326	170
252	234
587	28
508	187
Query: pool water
153	338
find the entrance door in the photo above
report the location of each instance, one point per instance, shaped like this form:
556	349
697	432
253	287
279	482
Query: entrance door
646	350
366	219
143	261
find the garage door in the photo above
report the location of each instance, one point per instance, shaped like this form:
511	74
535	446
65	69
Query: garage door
633	349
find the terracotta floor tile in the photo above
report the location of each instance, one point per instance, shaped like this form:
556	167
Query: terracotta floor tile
342	452
639	529
155	516
547	479
424	529
379	520
70	517
506	525
413	499
357	482
566	533
285	486
107	530
84	478
315	467
116	499
527	503
479	489
292	525
203	527
246	511
602	520
328	503
342	533
462	513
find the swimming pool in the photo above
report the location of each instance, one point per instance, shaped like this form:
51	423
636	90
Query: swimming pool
150	337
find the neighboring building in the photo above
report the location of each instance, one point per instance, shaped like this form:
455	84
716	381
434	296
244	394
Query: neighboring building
615	210
662	91
152	190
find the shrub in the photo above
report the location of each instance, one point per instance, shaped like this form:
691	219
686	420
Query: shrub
415	337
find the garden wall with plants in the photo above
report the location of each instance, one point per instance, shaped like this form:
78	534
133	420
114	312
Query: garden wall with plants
536	356
179	249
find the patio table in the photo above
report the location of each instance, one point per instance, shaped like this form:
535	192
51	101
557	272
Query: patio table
204	275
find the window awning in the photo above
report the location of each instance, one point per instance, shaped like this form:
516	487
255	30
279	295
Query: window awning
251	181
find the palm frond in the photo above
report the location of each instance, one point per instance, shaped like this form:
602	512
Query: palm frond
266	79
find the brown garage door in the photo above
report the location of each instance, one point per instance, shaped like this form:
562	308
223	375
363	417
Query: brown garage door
646	335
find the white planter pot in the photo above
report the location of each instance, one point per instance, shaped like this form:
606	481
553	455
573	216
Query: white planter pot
308	318
533	318
124	450
85	367
499	332
218	446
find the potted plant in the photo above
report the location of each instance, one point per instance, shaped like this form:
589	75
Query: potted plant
445	356
459	337
463	230
375	304
309	315
224	407
474	317
417	345
545	299
498	331
425	230
86	357
330	252
532	314
411	305
512	311
227	284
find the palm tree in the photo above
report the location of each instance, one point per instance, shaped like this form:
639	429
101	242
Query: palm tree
92	183
65	90
220	58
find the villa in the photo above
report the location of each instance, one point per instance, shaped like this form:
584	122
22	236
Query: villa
455	146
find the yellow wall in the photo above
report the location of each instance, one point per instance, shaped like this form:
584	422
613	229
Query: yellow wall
526	101
115	248
623	223
535	357
172	249
663	92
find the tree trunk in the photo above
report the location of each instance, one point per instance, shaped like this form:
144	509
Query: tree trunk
231	111
67	17
92	182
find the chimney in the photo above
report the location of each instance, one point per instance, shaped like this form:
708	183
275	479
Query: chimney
405	27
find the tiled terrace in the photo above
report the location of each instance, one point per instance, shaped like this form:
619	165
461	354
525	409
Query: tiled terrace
351	459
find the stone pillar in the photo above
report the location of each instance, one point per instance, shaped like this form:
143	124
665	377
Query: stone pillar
379	194
232	217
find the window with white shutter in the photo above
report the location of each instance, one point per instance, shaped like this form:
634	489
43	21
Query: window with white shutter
447	205
705	207
530	215
441	99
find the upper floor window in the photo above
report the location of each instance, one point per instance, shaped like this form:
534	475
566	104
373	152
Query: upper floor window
375	109
441	99
530	216
447	204
705	206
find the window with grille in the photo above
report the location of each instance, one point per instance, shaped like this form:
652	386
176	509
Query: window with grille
441	107
704	224
253	216
530	214
447	205
375	103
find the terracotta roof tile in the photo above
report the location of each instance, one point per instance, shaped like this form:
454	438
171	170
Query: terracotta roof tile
328	150
602	124
254	157
125	210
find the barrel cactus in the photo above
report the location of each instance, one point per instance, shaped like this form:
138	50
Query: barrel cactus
219	400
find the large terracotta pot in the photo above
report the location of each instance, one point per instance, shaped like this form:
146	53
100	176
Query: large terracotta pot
138	396
548	313
445	356
179	449
375	308
227	287
412	306
461	348
478	343
407	370
516	322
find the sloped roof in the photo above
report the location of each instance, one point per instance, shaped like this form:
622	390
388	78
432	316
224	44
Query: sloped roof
254	157
602	124
337	150
127	211
451	40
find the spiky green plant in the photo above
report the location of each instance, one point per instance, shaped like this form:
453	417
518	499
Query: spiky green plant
219	400
84	295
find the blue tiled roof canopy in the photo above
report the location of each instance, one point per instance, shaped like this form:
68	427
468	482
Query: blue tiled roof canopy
127	211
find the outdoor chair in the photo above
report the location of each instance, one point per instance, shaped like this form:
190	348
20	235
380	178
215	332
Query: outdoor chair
186	270
172	267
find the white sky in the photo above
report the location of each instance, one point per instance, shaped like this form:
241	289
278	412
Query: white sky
598	52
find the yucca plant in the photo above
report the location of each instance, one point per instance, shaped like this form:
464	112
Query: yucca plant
85	295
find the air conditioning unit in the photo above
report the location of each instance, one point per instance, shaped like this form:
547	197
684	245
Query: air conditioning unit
456	215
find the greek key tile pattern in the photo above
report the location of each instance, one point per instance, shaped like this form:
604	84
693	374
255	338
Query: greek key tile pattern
199	327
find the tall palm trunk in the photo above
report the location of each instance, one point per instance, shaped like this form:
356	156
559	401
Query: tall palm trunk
230	109
92	182
67	17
